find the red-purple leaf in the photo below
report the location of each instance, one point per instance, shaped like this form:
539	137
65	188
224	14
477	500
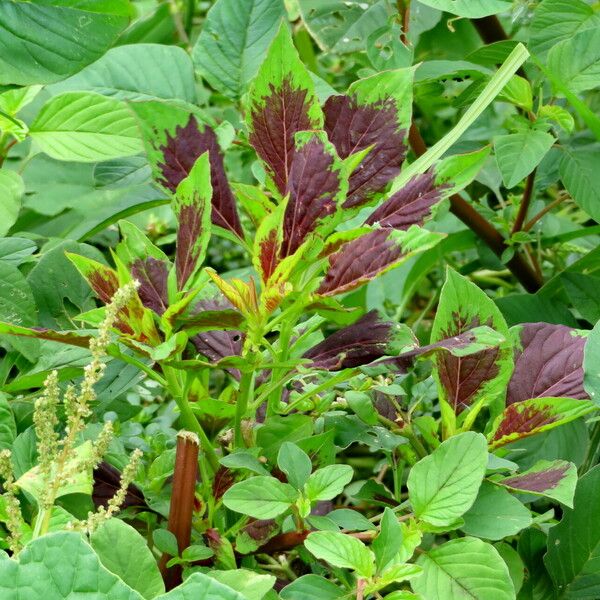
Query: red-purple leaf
174	139
281	103
363	258
361	343
315	186
549	362
411	205
552	479
526	418
152	273
375	114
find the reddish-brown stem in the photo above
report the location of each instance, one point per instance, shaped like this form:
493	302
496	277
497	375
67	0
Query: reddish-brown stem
525	202
542	213
518	266
182	502
6	149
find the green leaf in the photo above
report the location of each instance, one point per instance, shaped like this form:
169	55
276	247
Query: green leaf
124	552
17	307
576	60
11	192
86	127
558	20
482	377
328	482
8	427
472	9
165	541
309	587
260	497
79	483
495	514
341	550
244	460
574	544
517	154
580	174
60	566
444	485
389	541
591	364
465	568
251	585
295	463
200	586
137	72
42	42
233	41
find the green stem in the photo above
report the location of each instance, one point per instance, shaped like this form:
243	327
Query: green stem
593	449
277	373
241	408
188	418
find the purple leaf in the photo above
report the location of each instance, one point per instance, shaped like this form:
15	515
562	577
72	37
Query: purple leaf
180	153
353	127
358	344
549	362
107	481
314	186
410	205
152	274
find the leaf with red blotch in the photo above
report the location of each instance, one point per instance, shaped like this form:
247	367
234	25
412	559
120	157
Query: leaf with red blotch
370	255
413	203
316	188
267	243
281	102
374	114
175	137
551	479
481	377
526	418
358	344
71	338
548	362
147	264
133	320
191	205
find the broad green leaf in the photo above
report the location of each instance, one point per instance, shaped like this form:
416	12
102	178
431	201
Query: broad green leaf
200	586
279	429
260	497
514	562
472	9
517	154
328	482
11	192
341	550
251	585
17	307
60	566
389	541
85	127
233	42
574	544
552	479
580	174
343	27
124	552
495	514
8	427
244	460
79	483
522	419
192	207
16	250
42	42
481	377
557	20
464	569
295	463
444	485
136	72
309	587
591	364
576	60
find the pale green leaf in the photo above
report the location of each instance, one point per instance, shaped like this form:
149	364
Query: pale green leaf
260	497
328	482
472	9
580	174
11	192
295	463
